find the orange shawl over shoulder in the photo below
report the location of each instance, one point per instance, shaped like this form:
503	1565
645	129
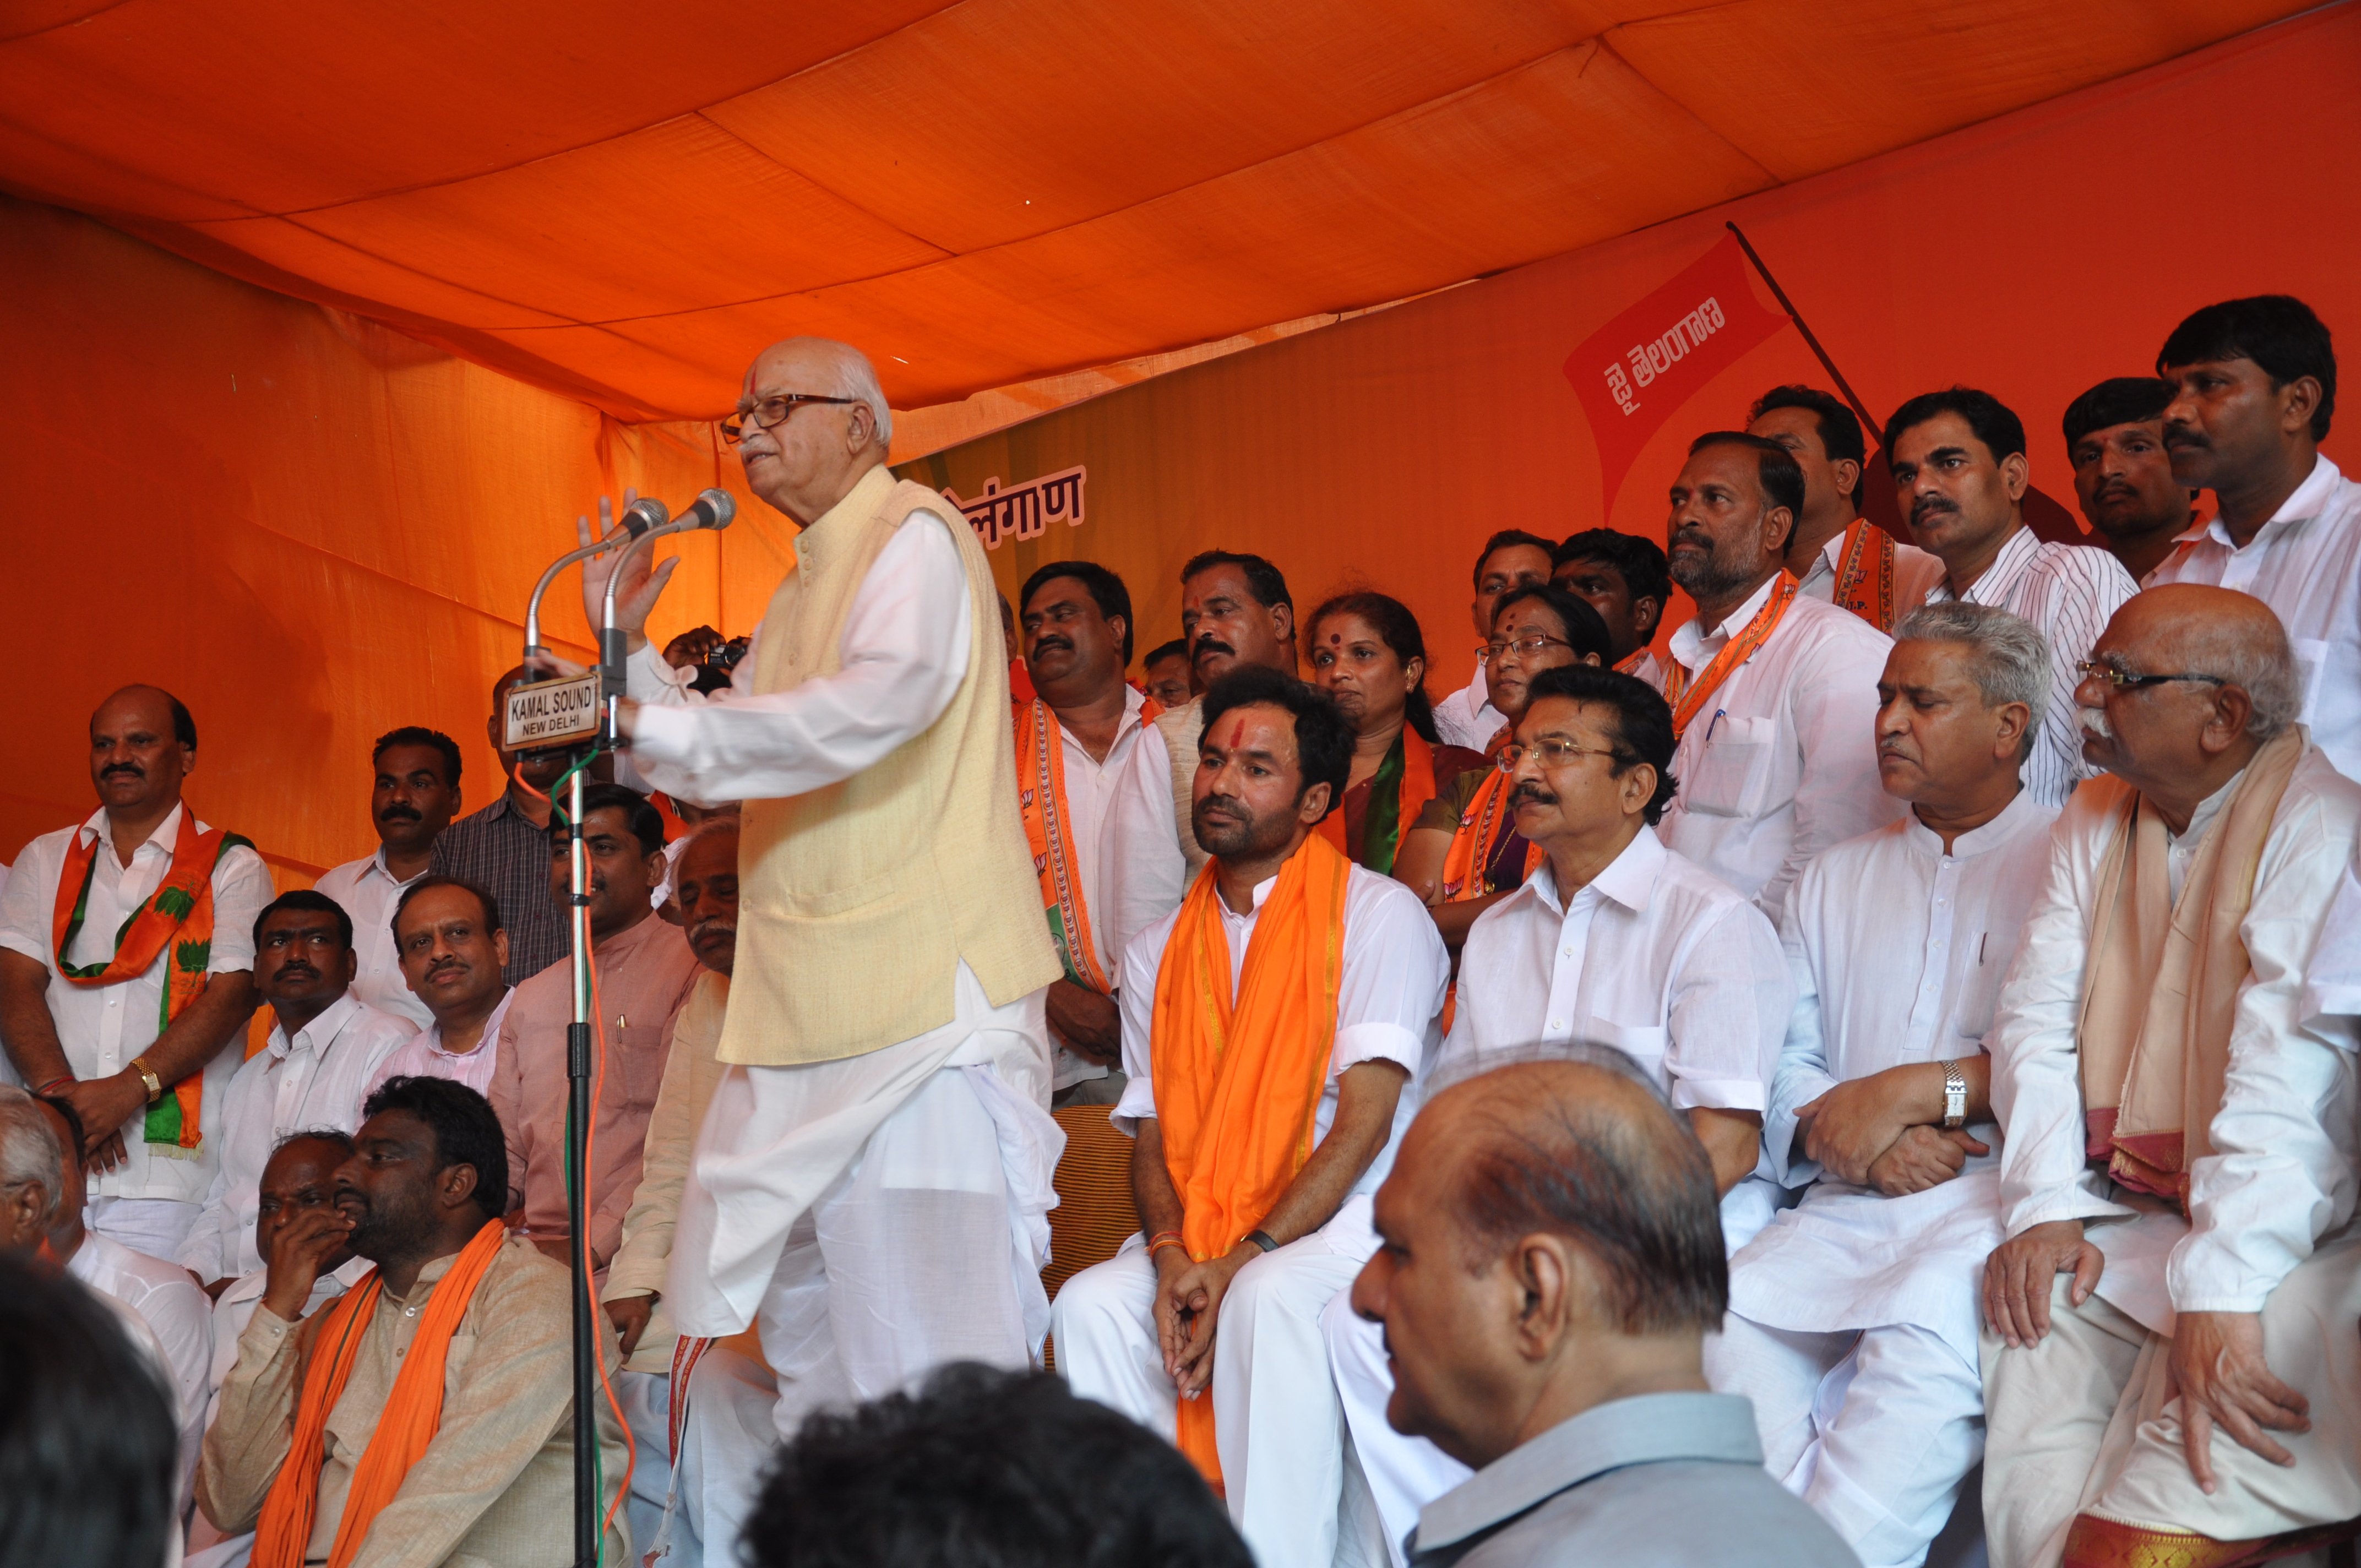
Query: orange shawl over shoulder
412	1412
1238	1078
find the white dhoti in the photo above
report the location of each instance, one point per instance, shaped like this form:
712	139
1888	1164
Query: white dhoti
1278	1426
2085	1422
881	1215
710	1483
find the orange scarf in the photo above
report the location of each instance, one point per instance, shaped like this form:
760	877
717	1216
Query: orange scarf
1403	783
1864	582
404	1429
179	913
1688	697
1049	828
1237	1124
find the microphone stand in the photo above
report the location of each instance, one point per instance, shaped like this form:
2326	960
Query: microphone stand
579	1034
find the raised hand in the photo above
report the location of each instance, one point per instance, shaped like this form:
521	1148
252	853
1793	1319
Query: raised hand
298	1252
640	587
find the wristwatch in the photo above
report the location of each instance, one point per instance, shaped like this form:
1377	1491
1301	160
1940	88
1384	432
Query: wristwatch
1955	1095
147	1076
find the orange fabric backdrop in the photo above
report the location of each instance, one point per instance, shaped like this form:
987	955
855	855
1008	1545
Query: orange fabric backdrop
309	527
613	198
2031	256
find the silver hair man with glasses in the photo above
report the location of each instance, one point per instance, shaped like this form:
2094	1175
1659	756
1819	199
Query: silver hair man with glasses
1853	1320
2169	1361
871	1178
1613	938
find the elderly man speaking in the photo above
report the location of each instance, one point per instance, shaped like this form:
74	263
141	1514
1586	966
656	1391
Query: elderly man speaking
873	1176
2170	1360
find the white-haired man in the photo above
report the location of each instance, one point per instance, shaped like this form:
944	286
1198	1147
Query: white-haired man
873	1178
2170	1357
1852	1318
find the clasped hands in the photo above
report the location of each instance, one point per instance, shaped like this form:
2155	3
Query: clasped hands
1861	1132
1188	1305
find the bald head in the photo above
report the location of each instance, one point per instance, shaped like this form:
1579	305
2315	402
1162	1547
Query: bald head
2231	685
1581	1147
811	423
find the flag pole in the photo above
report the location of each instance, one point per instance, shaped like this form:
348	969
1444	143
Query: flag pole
1868	422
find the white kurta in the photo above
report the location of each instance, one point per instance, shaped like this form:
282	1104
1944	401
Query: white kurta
1090	786
1467	717
1143	872
317	1079
1782	762
1915	572
423	1055
2305	564
2067	591
1897	950
927	1277
367	892
171	1306
102	1027
2282	1175
1275	1402
1655	957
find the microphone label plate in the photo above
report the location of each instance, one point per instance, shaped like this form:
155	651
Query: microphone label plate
547	714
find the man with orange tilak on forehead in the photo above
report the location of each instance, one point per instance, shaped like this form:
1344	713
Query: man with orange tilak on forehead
1073	735
871	1180
1272	1027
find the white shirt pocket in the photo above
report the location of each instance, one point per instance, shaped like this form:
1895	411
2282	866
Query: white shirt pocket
1731	774
2311	655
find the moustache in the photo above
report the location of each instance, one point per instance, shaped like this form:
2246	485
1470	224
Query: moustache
399	814
1223	806
1531	792
1210	645
2093	721
128	770
704	928
1043	644
2183	435
447	966
1893	749
296	968
1926	506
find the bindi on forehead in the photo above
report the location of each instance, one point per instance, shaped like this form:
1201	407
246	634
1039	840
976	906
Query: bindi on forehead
1234	731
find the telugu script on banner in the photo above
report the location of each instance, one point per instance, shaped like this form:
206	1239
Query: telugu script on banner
1638	370
1024	510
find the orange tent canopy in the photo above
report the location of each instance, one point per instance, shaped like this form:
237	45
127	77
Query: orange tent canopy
613	199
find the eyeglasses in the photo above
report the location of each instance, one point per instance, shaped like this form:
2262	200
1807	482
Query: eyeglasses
1528	646
2123	680
771	411
1553	752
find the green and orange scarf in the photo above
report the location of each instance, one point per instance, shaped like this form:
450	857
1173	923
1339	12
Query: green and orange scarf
1048	831
177	916
1403	783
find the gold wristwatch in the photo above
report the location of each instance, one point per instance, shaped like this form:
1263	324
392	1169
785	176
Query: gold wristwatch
147	1076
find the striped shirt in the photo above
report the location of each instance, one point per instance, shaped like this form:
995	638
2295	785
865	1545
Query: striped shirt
2068	591
500	851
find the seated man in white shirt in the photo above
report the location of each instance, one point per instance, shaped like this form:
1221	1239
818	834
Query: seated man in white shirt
454	953
1511	558
2178	1181
1853	1319
2253	384
325	1048
1614	939
415	794
1773	692
161	1295
298	1178
1959	473
1271	1028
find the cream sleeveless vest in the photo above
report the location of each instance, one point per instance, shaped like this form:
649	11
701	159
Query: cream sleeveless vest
856	902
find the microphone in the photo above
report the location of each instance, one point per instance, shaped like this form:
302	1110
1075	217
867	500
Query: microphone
644	515
712	508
